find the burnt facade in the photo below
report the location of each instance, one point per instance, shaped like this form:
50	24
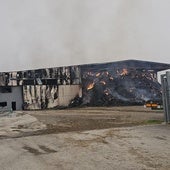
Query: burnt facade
41	89
111	84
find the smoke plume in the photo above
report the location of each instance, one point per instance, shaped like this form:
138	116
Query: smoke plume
43	33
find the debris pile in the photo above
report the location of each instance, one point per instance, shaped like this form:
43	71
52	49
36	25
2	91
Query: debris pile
117	84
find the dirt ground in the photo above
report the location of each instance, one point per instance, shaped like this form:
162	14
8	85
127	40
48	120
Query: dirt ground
90	118
85	138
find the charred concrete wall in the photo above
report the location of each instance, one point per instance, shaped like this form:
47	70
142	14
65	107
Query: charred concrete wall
41	87
68	93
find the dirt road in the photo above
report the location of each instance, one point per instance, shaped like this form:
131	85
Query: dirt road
88	138
91	118
141	147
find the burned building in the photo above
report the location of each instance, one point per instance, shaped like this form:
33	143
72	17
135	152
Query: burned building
129	82
110	84
40	89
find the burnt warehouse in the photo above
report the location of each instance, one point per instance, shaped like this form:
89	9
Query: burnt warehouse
127	82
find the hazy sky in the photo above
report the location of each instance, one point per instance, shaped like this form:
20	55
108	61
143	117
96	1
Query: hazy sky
48	33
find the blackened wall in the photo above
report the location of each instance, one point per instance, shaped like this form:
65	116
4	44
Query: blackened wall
41	87
119	83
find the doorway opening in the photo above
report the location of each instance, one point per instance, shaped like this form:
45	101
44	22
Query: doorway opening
13	105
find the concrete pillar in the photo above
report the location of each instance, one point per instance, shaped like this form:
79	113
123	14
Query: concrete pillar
165	81
168	95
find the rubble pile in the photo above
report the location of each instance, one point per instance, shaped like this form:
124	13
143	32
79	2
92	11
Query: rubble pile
121	83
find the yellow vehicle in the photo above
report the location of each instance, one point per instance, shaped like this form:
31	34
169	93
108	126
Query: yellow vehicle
154	104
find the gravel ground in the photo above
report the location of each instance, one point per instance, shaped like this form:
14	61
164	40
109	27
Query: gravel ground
87	138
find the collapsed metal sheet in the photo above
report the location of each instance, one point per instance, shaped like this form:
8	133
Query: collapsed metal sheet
40	97
40	87
49	76
46	96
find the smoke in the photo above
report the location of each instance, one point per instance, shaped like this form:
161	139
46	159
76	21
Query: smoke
43	33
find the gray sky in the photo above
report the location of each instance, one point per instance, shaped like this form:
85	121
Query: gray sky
48	33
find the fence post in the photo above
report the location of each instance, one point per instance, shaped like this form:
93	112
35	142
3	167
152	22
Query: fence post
165	81
168	95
